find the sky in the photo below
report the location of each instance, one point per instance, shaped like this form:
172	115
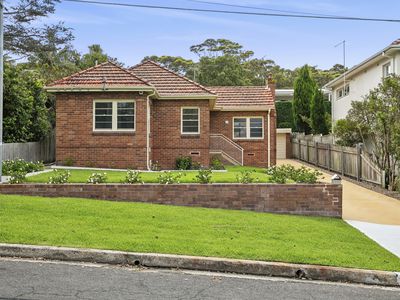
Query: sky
129	34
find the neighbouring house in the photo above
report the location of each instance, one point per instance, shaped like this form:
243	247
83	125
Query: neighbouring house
109	116
354	84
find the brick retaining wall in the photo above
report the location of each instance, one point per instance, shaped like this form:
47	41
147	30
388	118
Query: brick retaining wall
298	199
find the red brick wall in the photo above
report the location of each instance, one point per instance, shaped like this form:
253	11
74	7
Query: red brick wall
76	140
255	151
298	199
167	141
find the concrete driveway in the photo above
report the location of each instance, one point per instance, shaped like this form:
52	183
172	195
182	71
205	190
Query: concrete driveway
374	214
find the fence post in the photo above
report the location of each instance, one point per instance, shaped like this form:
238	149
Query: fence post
329	157
358	162
342	159
383	179
299	152
316	154
308	152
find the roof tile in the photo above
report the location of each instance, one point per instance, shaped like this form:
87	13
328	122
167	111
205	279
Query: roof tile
106	74
167	82
243	96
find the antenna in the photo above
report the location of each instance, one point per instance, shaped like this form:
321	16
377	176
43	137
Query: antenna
343	43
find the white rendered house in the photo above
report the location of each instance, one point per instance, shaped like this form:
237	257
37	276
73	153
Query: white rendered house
354	84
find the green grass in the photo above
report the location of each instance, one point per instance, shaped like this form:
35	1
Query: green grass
192	231
79	176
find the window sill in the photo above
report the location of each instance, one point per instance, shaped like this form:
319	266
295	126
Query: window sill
249	140
107	133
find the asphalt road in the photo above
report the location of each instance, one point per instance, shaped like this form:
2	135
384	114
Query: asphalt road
24	279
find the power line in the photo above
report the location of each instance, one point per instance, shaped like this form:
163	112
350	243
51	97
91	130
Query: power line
261	8
235	12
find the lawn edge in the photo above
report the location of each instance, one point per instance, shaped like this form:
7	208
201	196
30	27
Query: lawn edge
171	261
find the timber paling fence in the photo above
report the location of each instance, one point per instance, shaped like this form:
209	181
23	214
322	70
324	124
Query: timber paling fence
347	161
43	150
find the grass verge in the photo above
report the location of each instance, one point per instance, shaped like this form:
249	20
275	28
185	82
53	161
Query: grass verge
192	231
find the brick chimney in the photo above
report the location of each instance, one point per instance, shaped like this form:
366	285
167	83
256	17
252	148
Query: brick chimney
271	85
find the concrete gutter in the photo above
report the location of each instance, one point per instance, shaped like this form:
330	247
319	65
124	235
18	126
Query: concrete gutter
275	269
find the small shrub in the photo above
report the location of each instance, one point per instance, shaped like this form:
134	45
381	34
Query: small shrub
155	166
17	176
10	166
245	177
183	163
97	178
69	162
196	165
167	177
216	164
132	177
281	174
59	177
204	176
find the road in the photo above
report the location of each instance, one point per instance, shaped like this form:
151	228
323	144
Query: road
27	280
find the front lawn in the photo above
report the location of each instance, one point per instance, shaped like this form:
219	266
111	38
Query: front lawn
142	227
79	176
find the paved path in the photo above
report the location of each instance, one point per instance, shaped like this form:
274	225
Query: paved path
23	279
374	214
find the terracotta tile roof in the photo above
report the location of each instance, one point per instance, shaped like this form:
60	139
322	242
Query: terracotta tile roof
396	42
167	82
243	96
107	74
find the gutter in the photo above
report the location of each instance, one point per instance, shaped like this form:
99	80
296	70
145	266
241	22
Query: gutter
148	130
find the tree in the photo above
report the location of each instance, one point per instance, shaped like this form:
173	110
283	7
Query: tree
26	117
95	56
53	65
347	133
318	114
24	36
304	87
377	118
178	64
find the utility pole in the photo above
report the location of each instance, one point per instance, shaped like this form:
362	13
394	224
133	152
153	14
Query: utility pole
1	84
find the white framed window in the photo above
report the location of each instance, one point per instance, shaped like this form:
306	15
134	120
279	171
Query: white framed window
386	70
114	115
190	120
248	128
343	91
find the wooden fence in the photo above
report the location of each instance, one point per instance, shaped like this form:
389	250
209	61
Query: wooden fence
352	162
31	151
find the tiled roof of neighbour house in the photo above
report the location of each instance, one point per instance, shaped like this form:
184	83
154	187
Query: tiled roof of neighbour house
243	97
169	83
103	76
396	42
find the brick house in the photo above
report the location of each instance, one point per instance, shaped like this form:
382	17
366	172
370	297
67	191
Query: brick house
108	116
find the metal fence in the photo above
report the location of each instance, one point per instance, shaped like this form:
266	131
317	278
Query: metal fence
32	151
354	162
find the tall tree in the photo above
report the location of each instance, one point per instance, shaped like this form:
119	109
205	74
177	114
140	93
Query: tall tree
24	36
318	114
304	87
178	64
96	55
